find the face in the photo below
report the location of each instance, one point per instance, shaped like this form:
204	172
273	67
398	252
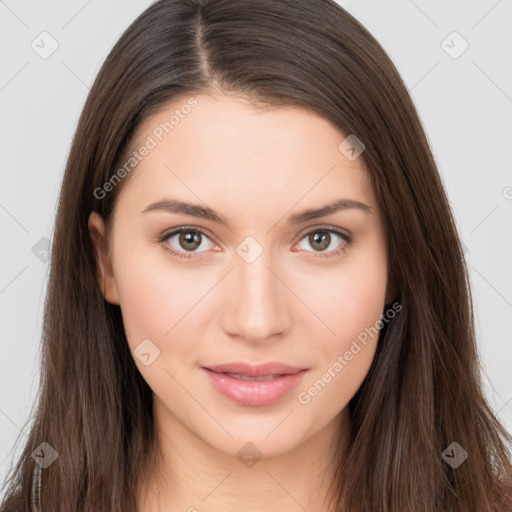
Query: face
248	280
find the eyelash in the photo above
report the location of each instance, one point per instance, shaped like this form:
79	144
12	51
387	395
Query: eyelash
165	236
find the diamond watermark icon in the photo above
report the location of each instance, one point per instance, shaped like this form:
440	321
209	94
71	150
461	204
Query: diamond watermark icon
249	454
454	45
249	249
351	147
44	455
455	455
44	45
41	250
146	352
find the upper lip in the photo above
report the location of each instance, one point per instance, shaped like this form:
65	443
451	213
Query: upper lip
259	370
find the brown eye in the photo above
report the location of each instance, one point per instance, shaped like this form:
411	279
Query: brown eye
185	242
190	240
320	240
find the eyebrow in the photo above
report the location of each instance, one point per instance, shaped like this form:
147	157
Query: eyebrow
184	208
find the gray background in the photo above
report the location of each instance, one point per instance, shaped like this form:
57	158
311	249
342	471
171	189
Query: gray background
464	100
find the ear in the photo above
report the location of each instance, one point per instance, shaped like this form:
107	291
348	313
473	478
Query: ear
105	274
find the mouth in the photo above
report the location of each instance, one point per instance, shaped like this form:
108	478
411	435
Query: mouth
254	385
240	376
269	369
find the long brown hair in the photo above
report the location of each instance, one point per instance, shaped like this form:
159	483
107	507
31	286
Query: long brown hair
423	391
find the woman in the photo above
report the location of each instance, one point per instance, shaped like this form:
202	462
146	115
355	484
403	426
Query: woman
313	348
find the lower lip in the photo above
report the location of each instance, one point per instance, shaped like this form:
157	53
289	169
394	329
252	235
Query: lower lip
254	393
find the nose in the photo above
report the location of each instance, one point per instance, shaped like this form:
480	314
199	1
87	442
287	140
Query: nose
257	304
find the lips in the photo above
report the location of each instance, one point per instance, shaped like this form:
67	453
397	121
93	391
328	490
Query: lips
254	385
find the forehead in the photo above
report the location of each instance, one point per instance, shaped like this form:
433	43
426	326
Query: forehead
223	150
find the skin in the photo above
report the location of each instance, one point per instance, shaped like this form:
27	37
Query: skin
291	305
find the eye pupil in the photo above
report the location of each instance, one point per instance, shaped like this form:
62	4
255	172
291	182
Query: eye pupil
190	237
321	237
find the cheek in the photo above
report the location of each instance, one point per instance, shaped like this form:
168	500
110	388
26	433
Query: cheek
145	298
157	304
346	299
350	303
154	292
342	359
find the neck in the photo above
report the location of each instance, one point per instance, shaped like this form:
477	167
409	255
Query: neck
193	476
